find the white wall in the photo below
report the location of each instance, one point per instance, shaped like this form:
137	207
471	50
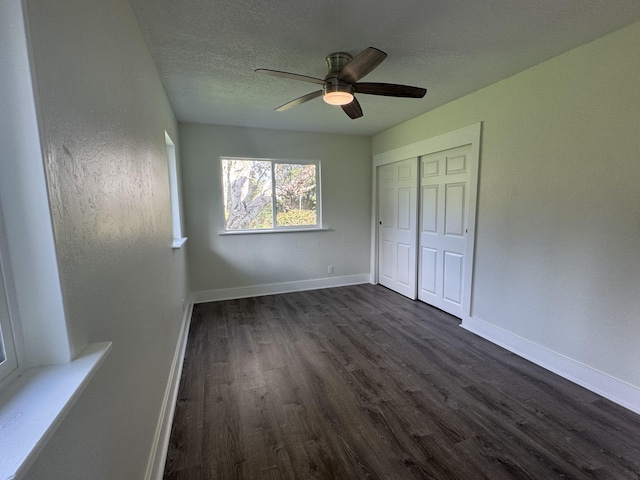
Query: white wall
25	205
558	232
102	114
222	262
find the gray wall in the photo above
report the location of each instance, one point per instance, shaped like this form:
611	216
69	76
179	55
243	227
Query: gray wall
220	262
102	114
558	232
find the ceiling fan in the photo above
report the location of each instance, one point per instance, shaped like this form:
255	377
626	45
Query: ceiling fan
340	84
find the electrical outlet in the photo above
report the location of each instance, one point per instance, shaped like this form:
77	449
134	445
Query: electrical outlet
330	269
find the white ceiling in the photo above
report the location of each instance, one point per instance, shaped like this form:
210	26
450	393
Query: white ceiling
206	52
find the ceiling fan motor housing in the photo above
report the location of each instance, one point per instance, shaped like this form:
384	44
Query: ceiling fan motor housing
336	62
335	85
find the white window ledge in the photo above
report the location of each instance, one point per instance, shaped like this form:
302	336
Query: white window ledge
279	230
178	242
33	406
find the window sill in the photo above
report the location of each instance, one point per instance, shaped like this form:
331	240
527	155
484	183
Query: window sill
280	230
34	405
178	242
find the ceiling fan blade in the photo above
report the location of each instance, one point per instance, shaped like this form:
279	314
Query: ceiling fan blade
299	100
353	109
361	65
291	76
390	90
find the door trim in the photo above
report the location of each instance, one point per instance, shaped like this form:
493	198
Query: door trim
469	135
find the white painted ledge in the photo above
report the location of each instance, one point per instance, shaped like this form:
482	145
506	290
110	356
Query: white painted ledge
33	406
178	242
274	230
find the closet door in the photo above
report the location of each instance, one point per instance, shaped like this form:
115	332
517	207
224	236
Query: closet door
397	226
445	202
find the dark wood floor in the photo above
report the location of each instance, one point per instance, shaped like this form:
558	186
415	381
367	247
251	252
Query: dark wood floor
361	383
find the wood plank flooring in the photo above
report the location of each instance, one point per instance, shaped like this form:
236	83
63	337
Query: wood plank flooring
362	383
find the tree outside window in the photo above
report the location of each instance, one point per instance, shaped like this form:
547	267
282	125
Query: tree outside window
268	194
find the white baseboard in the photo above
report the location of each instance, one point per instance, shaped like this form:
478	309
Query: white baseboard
158	456
275	288
605	385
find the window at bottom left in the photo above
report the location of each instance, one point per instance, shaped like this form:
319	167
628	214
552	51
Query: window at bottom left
8	360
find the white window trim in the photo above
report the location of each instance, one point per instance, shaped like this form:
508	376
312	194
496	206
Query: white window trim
279	230
282	229
174	190
52	370
178	242
33	401
28	418
8	340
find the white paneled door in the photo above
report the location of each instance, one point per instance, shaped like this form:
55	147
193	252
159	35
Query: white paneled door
444	216
397	226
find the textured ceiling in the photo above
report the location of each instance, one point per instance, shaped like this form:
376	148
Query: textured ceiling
206	52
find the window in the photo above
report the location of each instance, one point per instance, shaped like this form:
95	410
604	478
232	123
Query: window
8	360
176	218
261	194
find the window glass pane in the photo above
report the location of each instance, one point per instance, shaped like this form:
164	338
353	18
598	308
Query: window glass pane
4	318
5	328
247	194
8	359
295	194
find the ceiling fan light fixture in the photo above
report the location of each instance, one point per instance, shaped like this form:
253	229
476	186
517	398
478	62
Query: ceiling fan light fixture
338	98
336	93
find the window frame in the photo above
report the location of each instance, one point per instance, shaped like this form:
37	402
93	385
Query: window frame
318	226
10	366
174	192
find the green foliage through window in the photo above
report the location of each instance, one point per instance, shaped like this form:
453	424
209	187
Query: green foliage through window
256	189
